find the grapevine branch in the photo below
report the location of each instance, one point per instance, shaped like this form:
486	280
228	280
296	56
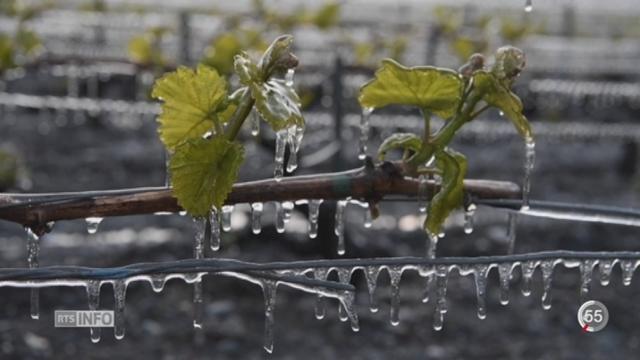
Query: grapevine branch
370	183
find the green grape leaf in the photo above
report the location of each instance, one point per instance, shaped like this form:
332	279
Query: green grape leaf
499	96
277	103
433	89
203	172
327	16
404	141
142	51
194	103
6	53
220	54
28	41
454	167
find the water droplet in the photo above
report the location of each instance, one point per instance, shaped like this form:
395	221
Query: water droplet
256	214
119	293
281	137
423	190
314	211
92	224
528	6
93	297
339	225
215	229
255	122
364	132
530	158
225	218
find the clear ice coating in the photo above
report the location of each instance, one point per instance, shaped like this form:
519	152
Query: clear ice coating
256	214
320	274
255	122
368	221
530	158
422	194
547	277
480	272
468	218
344	277
287	207
528	5
119	294
527	267
280	223
202	232
281	142
92	224
442	277
225	218
432	244
339	225
395	273
627	267
511	232
93	296
314	212
215	229
364	132
33	252
371	274
157	282
605	267
586	272
294	138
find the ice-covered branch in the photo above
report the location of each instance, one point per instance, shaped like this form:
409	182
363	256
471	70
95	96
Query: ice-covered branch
370	183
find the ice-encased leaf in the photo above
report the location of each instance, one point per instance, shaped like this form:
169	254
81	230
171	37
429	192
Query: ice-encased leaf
278	51
404	141
245	68
203	172
501	97
433	89
277	103
194	101
454	167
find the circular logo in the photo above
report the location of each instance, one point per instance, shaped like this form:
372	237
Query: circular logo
593	316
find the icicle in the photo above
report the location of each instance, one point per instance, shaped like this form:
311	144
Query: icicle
586	272
256	213
344	277
628	268
157	282
287	207
255	123
442	276
202	232
225	219
320	274
281	137
528	5
119	293
215	229
511	233
527	267
427	287
198	305
423	189
468	218
339	225
93	296
314	212
371	274
547	277
530	157
269	288
505	275
480	273
605	267
288	78
92	224
347	299
33	252
431	245
367	216
294	138
364	132
395	273
279	217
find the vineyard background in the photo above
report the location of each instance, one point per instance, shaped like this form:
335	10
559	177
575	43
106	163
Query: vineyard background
580	91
